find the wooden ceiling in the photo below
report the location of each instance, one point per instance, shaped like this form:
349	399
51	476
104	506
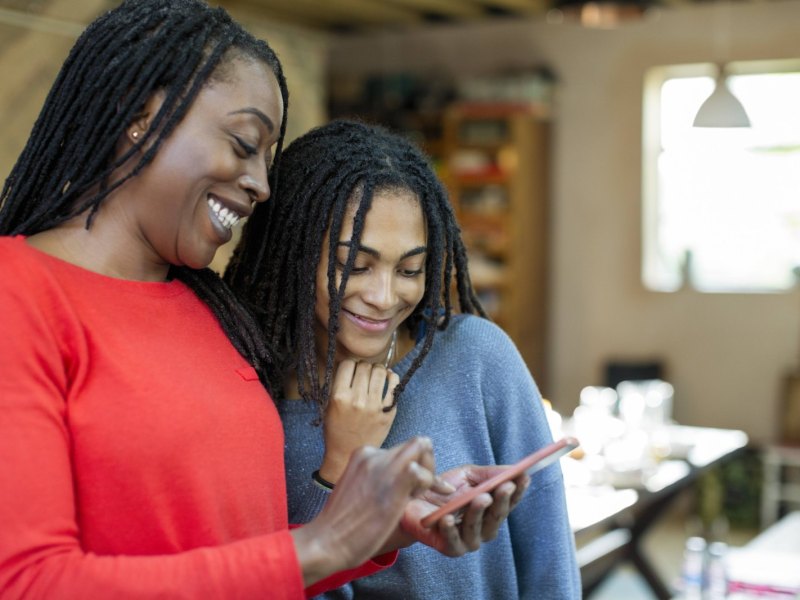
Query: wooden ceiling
360	15
339	16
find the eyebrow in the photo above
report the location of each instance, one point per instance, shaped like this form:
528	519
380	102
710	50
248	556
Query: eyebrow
261	116
372	252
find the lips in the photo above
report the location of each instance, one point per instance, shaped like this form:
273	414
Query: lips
366	323
224	216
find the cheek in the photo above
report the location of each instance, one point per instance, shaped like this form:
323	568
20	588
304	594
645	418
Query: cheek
414	292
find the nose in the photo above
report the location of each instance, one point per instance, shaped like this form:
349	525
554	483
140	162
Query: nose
380	291
256	185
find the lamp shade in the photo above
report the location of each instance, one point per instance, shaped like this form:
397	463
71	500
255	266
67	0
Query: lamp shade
721	108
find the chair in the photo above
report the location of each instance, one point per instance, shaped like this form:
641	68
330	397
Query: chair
781	484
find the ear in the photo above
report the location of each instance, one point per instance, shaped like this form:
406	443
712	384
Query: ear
144	119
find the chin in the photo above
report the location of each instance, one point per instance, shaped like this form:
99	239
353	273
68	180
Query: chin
363	354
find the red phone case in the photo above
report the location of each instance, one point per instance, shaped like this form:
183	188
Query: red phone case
533	462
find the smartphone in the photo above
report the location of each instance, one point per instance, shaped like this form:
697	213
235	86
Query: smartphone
535	461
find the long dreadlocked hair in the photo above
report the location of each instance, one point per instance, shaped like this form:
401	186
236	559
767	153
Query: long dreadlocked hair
340	165
117	64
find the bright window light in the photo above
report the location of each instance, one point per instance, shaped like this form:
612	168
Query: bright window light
722	206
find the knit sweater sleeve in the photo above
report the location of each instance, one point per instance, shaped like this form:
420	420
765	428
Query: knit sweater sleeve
543	543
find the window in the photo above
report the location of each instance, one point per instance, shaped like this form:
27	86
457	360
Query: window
722	206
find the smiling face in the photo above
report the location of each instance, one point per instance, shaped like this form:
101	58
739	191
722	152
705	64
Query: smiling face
211	170
386	283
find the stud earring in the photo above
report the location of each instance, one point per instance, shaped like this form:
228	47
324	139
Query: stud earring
135	135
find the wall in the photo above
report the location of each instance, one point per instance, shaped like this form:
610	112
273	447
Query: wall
725	354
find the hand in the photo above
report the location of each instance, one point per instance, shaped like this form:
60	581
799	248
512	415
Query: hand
365	508
355	415
479	522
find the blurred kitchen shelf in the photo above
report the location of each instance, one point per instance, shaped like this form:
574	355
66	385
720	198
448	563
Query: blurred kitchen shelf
495	165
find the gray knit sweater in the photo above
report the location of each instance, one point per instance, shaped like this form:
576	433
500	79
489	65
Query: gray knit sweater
474	397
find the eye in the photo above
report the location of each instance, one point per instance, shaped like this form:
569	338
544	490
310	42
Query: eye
354	271
411	273
245	148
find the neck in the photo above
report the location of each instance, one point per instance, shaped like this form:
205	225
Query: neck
107	247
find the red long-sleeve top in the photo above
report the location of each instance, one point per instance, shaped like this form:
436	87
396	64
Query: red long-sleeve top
140	457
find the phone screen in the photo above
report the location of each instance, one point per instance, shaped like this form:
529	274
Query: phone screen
535	461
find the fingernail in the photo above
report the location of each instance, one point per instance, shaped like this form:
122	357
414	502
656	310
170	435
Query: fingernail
445	486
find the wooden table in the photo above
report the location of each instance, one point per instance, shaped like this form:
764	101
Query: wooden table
618	523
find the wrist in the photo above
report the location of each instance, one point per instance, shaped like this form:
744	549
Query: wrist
397	540
322	482
331	469
315	562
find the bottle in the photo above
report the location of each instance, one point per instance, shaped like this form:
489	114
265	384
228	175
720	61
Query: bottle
693	568
717	578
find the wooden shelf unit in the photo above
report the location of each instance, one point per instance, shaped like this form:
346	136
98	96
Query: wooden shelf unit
495	166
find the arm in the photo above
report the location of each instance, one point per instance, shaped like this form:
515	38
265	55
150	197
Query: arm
518	425
41	553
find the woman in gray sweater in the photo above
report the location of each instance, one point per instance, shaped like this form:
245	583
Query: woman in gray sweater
363	206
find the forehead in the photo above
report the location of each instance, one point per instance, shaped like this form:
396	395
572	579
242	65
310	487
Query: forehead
244	82
394	216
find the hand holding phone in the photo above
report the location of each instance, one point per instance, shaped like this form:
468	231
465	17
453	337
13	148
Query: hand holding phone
535	461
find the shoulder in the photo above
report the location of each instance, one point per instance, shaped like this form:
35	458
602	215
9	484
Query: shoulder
478	339
14	252
19	265
475	327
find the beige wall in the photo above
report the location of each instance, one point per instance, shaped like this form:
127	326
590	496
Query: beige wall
725	354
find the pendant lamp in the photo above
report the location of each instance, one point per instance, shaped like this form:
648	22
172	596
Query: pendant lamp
721	108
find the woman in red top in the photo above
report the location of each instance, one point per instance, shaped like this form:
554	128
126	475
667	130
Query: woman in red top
141	455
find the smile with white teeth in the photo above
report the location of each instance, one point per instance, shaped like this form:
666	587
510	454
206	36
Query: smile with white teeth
225	216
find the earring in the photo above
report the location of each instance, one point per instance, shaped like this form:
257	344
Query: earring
392	349
135	135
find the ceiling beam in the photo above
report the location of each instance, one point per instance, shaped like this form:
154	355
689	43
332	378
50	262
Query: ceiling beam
450	8
525	7
345	12
252	9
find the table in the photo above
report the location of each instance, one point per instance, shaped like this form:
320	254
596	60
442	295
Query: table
619	521
767	566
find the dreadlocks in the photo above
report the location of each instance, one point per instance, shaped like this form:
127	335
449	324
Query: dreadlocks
329	169
117	64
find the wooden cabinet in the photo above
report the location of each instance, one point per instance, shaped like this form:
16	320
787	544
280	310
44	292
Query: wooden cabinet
496	170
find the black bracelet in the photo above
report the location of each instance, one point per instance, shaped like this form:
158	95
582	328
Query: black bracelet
324	484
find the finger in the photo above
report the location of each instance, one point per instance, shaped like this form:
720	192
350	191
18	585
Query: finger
522	484
377	383
360	385
442	486
472	524
449	530
391	382
425	458
343	379
411	461
425	477
498	512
